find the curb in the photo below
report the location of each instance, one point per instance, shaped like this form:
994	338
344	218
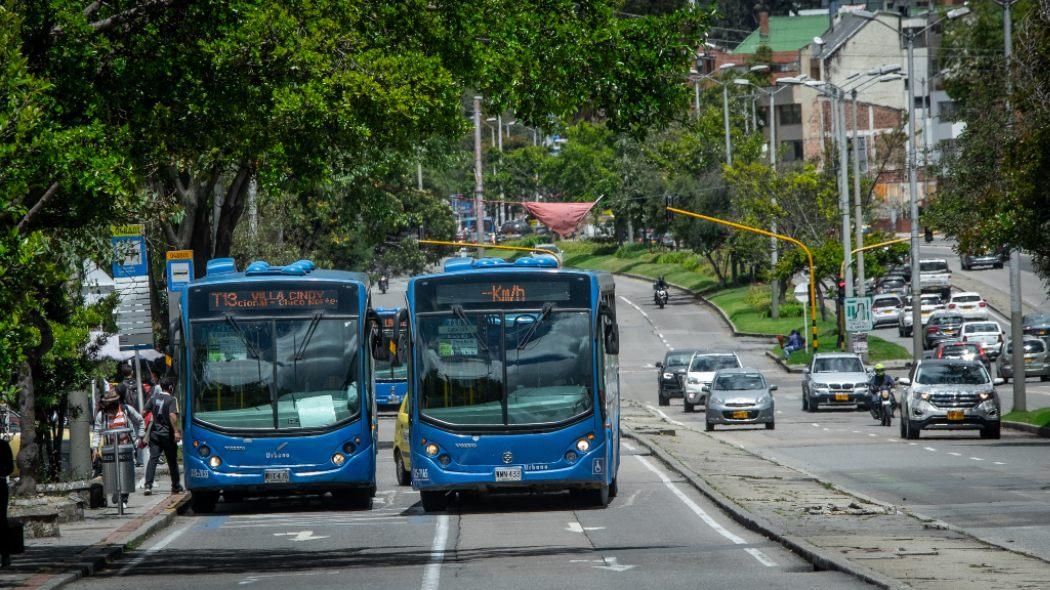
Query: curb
709	303
1043	431
821	559
114	546
783	364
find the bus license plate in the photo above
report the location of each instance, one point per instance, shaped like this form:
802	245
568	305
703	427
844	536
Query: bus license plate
275	476
508	474
955	414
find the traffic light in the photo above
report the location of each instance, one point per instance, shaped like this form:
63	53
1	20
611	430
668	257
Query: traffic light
842	290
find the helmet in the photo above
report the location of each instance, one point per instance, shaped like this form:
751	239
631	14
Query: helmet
880	369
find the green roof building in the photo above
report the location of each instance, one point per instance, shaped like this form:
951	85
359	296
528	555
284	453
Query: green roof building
786	33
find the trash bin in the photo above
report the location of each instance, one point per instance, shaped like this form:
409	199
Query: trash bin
118	465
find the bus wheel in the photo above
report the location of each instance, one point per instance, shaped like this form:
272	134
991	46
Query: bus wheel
434	501
599	497
404	476
357	499
614	488
203	502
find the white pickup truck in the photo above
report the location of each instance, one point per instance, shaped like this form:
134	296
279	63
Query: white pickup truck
935	276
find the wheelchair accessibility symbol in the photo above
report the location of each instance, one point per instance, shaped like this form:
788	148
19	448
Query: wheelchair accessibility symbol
598	466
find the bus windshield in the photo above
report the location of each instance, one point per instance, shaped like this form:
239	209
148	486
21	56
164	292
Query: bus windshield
283	374
506	369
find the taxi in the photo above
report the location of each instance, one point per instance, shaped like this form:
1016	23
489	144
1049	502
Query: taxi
402	451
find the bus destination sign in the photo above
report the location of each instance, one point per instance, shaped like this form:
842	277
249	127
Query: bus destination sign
502	292
273	299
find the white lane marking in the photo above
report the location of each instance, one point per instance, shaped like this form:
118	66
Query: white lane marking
827	430
998	462
930	449
611	564
432	573
704	516
299	536
873	435
576	527
780	411
855	431
160	545
664	416
955	454
815	425
629	446
913	444
977	458
631	303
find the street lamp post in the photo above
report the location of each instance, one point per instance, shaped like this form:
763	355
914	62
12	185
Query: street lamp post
916	283
725	108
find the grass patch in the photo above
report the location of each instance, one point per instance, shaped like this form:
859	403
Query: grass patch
686	271
1040	417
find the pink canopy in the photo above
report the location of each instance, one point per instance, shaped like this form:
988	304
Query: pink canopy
561	218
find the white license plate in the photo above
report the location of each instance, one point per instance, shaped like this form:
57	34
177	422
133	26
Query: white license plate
276	476
508	474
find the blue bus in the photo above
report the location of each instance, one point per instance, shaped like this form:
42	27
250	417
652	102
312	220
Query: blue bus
278	361
514	380
391	378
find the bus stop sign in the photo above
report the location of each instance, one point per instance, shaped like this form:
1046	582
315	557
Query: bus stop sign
858	314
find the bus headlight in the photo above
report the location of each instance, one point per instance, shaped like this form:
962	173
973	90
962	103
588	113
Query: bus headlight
338	459
203	450
444	460
432	450
583	445
570	456
215	462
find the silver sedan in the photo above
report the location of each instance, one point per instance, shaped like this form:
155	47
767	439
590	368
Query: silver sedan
739	396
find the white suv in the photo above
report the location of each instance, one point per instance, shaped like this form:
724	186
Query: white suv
969	305
702	369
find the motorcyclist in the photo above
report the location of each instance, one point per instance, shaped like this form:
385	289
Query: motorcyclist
879	381
660	284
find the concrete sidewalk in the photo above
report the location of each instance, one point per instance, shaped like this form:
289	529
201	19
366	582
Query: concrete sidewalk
834	529
84	547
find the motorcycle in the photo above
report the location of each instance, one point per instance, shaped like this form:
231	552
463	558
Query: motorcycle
383	285
883	405
660	297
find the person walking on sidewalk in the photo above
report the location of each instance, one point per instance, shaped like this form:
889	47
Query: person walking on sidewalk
7	467
116	414
164	436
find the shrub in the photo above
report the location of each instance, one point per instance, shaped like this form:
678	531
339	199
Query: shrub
630	250
673	257
758	299
790	309
692	263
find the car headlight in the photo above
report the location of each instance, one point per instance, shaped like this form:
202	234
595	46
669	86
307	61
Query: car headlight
925	396
821	386
668	375
984	395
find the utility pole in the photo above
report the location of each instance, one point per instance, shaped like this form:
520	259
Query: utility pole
774	307
479	189
725	123
913	201
1016	329
839	103
858	213
501	208
419	175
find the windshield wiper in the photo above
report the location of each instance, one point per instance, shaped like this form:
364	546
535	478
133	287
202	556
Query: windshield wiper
252	350
298	356
458	310
546	311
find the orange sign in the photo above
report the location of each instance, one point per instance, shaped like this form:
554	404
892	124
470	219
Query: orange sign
179	255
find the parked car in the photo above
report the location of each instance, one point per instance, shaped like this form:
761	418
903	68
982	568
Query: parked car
989	334
966	351
969	305
993	259
943	326
834	379
886	309
1037	324
739	396
949	394
935	276
702	369
514	229
1036	363
670	374
931	303
557	251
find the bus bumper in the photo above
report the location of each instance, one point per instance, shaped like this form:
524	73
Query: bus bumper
358	472
588	471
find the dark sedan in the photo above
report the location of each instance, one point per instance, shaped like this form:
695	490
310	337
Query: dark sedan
943	326
992	259
670	374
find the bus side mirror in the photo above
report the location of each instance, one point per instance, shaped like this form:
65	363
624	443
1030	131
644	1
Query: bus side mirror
378	344
610	331
400	339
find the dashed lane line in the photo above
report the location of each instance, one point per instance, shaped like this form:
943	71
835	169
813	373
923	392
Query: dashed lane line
432	572
704	516
664	416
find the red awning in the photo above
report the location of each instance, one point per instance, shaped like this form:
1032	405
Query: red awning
561	218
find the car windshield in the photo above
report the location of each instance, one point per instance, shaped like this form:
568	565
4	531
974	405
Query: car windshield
282	375
1031	320
951	374
978	328
933	266
885	302
1030	347
505	368
966	299
679	359
709	363
931	300
740	381
892	283
843	364
961	349
947	320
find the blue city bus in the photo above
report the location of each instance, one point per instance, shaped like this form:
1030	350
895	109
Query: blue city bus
514	380
391	378
278	361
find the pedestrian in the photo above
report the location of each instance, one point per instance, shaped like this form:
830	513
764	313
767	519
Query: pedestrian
7	467
794	342
117	414
164	436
